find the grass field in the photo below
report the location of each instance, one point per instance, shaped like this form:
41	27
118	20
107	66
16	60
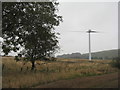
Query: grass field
18	74
99	81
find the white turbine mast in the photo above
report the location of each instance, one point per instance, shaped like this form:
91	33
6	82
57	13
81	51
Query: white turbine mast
90	31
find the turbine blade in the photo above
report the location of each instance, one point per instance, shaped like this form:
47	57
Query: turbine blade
94	31
90	31
76	31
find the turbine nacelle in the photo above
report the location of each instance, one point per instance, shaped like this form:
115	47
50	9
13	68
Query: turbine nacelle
90	31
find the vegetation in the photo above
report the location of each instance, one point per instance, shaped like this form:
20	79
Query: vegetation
30	25
19	75
72	55
108	54
116	62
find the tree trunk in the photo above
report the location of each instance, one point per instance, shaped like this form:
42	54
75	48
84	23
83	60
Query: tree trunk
33	65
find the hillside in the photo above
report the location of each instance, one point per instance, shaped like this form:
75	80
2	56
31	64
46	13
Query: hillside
108	54
73	55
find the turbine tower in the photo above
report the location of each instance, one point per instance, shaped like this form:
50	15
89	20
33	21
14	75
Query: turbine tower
90	31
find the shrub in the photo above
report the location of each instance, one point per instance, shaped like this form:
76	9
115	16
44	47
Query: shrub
116	62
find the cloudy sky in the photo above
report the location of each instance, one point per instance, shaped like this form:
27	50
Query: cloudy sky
82	16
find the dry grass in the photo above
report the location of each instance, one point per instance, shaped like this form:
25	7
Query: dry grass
14	77
101	81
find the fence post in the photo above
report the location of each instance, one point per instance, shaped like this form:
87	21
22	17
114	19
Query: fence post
47	69
27	68
21	69
3	66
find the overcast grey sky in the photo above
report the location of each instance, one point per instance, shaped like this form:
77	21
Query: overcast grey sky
81	16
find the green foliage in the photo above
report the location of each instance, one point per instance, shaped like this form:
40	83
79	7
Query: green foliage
116	62
30	25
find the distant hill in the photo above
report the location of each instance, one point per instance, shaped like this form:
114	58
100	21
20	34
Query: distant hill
73	55
108	54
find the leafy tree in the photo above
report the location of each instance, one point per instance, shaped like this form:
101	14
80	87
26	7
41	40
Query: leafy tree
30	25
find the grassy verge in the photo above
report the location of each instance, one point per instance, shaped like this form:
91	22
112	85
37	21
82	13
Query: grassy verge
14	77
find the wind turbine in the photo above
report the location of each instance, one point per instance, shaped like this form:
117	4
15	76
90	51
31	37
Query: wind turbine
90	31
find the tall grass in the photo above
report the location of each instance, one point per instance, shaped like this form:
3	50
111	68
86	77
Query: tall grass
19	75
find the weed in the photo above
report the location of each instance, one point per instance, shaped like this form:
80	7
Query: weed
15	75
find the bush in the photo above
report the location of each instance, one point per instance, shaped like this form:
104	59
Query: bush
116	62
